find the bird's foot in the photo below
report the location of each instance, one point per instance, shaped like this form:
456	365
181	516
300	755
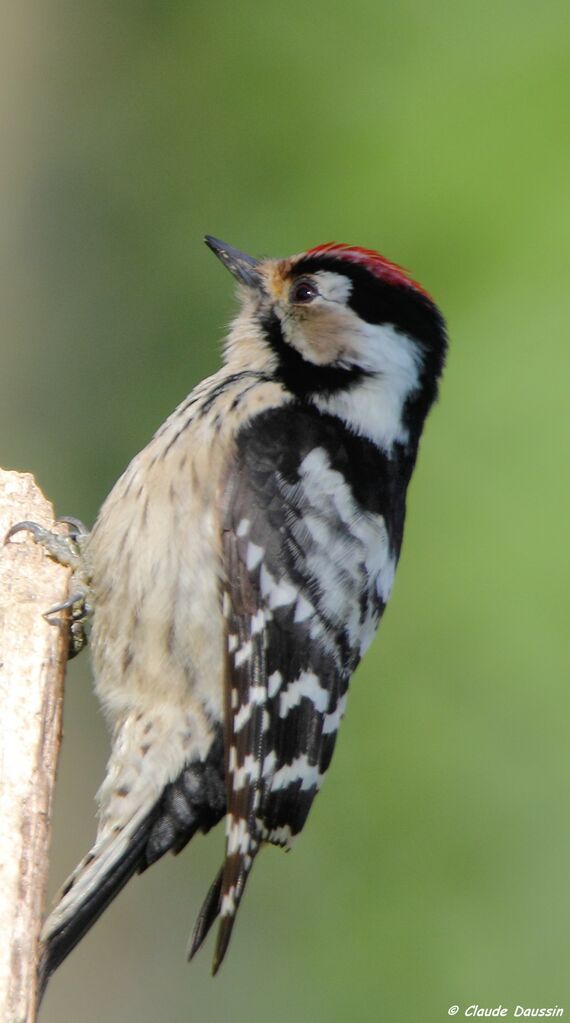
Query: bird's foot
68	551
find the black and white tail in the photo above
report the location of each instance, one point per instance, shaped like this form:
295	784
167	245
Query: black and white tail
130	843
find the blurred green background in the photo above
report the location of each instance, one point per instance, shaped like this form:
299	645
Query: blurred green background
434	869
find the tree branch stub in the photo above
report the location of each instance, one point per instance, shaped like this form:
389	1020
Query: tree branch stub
33	655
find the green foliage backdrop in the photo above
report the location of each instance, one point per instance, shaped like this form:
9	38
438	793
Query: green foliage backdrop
434	867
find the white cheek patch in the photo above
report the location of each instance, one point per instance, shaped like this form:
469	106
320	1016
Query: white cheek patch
373	407
328	332
381	348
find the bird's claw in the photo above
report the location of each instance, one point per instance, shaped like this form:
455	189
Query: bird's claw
63	549
66	550
79	613
76	527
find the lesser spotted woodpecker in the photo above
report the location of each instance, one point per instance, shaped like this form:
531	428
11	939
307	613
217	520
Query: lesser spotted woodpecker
240	566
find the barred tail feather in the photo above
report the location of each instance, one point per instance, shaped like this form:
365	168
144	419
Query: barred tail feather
236	871
222	900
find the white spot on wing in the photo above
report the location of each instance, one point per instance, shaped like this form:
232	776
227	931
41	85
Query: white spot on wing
243	528
243	654
266	581
385	580
299	770
242	717
367	632
274	682
307	685
280	836
332	721
248	772
303	609
269	764
258	622
253	556
317	528
282	593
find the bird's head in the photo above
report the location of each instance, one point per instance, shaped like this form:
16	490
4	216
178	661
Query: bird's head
344	328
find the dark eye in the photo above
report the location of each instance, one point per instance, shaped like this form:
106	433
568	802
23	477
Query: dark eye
303	291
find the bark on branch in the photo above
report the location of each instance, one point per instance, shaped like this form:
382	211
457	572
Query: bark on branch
32	666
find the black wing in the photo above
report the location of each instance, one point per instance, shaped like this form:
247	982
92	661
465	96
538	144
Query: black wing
306	555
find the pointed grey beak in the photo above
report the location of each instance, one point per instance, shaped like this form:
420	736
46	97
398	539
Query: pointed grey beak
240	265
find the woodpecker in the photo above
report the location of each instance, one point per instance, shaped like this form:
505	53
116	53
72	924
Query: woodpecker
239	568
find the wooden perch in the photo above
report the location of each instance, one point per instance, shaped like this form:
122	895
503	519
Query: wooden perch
33	654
